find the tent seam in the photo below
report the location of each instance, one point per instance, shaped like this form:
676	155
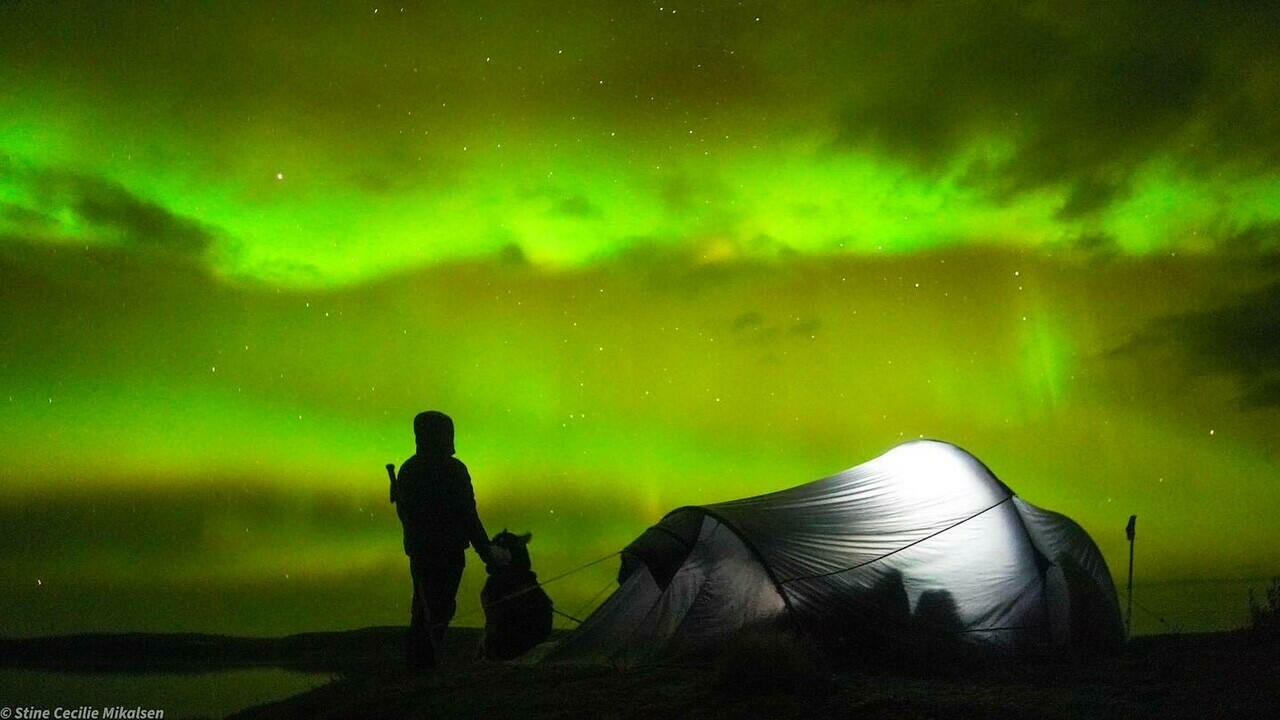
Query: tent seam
755	552
672	533
1044	574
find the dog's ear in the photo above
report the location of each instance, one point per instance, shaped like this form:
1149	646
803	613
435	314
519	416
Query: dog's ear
525	538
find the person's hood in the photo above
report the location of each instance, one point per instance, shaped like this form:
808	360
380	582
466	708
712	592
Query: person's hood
433	432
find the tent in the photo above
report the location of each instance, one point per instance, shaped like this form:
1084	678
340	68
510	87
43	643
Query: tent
920	547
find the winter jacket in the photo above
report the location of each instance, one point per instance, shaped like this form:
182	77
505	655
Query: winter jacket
437	506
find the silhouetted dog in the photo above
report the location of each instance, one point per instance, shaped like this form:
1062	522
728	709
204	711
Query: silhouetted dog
517	613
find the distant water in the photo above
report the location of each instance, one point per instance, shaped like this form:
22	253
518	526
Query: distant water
214	694
1191	606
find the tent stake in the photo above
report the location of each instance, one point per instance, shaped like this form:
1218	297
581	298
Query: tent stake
1130	531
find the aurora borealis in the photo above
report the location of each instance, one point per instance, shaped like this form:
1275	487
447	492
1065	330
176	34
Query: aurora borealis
645	254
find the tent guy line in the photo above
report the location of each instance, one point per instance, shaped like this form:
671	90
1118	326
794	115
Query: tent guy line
531	588
892	552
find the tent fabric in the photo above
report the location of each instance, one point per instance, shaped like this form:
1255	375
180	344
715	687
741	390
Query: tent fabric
663	547
920	545
719	588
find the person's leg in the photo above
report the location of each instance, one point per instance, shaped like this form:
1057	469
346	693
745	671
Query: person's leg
418	643
442	593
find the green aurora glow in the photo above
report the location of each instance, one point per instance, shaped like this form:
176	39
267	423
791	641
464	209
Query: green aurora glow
646	256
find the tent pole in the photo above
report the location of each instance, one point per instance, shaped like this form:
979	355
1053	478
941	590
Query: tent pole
1130	531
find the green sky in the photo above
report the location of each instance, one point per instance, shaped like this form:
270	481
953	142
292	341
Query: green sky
646	254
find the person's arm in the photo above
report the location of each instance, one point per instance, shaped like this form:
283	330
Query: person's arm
471	519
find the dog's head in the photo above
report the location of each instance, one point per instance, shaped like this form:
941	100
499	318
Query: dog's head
518	546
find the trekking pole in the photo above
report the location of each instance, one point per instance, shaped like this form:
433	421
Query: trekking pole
1130	531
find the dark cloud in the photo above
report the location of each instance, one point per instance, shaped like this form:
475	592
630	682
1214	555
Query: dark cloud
747	320
26	218
359	83
805	326
1088	195
137	222
98	305
213	555
103	211
1074	97
1086	93
577	206
1096	244
1263	395
1240	340
512	255
182	544
754	328
679	192
1255	240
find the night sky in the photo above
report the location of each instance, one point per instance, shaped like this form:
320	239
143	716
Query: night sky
645	254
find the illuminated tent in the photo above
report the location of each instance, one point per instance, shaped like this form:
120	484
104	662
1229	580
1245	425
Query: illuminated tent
920	547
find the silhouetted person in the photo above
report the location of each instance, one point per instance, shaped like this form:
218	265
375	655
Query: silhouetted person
936	613
938	631
888	612
871	616
437	507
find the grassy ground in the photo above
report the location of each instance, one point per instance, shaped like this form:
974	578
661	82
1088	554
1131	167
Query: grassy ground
1182	676
1227	675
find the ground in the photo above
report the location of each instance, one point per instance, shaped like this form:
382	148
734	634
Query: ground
1188	676
1229	675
